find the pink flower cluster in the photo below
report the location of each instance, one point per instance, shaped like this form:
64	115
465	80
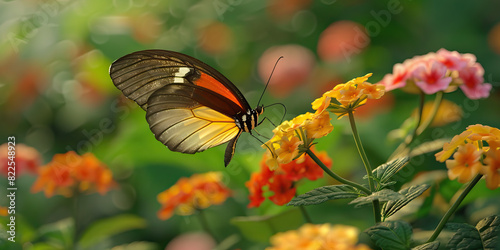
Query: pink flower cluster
437	71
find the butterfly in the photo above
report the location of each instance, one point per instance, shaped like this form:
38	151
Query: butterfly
190	106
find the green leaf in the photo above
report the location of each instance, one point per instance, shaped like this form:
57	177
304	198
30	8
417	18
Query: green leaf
382	195
486	235
409	194
108	227
322	194
385	171
138	245
393	235
428	246
260	228
428	147
489	229
60	234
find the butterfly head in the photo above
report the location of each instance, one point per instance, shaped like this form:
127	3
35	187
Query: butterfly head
259	109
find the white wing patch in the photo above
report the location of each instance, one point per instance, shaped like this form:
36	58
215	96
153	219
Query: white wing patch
192	130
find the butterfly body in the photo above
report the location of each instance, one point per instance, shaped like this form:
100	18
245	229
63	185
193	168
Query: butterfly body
189	106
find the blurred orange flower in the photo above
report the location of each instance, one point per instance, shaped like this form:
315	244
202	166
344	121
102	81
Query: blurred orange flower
190	194
216	38
342	40
447	112
281	180
27	159
318	237
4	211
477	151
70	172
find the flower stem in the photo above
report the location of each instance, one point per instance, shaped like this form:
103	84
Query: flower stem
307	218
421	105
335	176
204	224
366	163
76	221
435	108
420	127
454	207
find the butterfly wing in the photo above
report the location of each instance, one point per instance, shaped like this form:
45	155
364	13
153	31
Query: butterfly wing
190	106
140	74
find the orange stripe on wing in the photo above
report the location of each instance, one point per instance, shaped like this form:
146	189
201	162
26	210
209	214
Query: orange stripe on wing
210	83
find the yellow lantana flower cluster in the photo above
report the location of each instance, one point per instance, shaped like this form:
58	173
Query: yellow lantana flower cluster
475	151
292	138
318	237
349	95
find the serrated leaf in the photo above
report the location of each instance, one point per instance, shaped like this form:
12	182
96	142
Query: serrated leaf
322	194
409	194
428	246
108	227
486	235
489	229
393	235
385	171
382	195
466	237
260	228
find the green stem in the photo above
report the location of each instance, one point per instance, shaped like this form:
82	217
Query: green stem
307	218
435	108
419	118
421	127
454	207
366	163
361	151
76	221
204	224
335	176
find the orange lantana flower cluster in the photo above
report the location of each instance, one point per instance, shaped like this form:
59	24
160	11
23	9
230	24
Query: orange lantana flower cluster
190	194
281	180
349	96
70	172
318	237
475	151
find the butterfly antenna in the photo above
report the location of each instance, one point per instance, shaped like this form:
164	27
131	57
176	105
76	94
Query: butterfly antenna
268	80
284	108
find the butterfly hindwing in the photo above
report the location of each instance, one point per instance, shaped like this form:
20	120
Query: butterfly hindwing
185	122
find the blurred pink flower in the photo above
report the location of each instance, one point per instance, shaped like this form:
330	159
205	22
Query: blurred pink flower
452	59
397	79
431	77
473	82
27	159
435	72
293	70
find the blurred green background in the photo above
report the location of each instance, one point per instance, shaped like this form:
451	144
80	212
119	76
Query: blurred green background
56	94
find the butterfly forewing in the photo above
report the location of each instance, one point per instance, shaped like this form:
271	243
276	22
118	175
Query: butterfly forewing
141	73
